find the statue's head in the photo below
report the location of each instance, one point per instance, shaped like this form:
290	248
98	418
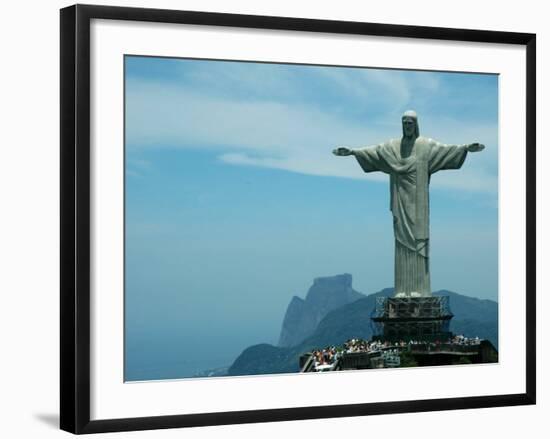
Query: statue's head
410	124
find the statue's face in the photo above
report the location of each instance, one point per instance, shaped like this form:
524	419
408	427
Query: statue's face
408	126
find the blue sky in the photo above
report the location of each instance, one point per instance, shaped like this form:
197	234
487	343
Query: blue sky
234	202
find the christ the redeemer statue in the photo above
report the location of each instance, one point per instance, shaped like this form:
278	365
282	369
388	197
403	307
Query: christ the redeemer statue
410	161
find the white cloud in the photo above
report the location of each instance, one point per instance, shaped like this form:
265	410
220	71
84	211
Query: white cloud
298	137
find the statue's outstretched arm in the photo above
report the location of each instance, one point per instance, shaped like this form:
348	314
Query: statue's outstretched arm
343	151
369	158
475	147
444	156
470	147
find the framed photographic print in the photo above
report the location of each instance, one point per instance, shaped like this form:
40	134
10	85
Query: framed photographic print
255	208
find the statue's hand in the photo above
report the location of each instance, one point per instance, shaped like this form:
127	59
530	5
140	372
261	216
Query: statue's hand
342	151
475	147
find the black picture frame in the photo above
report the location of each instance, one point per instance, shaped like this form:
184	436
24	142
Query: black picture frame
75	217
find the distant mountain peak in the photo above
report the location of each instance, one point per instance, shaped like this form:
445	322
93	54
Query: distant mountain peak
296	299
326	294
344	279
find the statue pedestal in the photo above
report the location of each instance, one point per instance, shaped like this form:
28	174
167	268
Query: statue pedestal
412	318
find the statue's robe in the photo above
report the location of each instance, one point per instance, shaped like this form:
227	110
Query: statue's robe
409	202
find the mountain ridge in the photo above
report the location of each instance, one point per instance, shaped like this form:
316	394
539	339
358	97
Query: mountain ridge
472	317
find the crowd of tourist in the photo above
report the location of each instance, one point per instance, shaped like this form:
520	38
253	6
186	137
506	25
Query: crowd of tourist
461	340
324	359
457	340
359	345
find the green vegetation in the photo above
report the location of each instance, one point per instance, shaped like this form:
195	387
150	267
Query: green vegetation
407	359
463	360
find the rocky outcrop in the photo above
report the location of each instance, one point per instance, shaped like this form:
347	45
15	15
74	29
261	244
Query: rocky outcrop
303	316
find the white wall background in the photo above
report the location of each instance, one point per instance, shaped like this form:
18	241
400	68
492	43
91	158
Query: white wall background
29	250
